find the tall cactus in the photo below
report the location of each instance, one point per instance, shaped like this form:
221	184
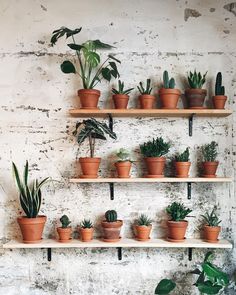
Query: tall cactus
168	84
219	89
111	216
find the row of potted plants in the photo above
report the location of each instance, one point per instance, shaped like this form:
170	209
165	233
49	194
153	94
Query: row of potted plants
92	71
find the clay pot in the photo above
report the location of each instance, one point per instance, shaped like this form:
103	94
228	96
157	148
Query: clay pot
143	232
211	233
177	230
32	228
169	98
120	101
182	169
146	101
155	166
123	169
195	98
89	167
89	98
111	231
219	101
64	234
86	234
209	169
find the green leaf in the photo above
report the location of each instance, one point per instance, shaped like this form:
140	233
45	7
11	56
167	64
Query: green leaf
208	288
91	57
165	286
209	256
67	67
75	46
17	177
106	73
84	133
215	275
57	34
114	58
100	45
26	173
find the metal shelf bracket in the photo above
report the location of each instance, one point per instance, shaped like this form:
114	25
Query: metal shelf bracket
49	254
190	125
189	190
119	252
111	184
190	254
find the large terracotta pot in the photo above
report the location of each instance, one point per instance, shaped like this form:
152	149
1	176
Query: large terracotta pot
219	101
195	98
111	231
182	169
211	233
169	98
89	167
32	228
123	169
155	166
143	232
120	101
64	234
146	101
177	230
86	234
89	98
209	169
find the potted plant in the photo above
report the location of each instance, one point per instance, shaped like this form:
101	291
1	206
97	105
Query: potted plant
211	228
121	96
209	152
219	99
86	230
65	230
153	152
195	94
146	100
123	164
168	94
32	224
91	70
177	226
91	129
182	164
143	228
111	227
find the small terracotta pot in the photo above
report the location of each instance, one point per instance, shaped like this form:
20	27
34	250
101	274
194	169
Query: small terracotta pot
209	169
146	101
143	232
155	166
64	234
123	169
120	101
177	230
32	228
89	98
89	167
219	101
86	234
195	98
111	231
182	169
169	98
211	233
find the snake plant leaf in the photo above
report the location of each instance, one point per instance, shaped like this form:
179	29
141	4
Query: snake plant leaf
67	67
165	286
75	46
26	172
209	288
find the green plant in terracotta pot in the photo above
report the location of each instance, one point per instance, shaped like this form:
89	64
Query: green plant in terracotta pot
121	96
210	165
65	230
143	228
123	163
32	224
211	228
195	94
111	227
182	164
219	99
86	230
91	129
153	152
177	225
91	70
146	100
168	94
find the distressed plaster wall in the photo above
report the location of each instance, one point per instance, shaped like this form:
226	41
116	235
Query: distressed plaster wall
150	36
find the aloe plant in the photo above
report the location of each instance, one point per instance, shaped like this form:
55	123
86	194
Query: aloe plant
144	220
120	89
196	80
211	218
86	223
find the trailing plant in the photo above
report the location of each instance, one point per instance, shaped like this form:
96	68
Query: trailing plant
123	155
86	223
65	221
120	89
155	148
144	220
178	211
111	216
146	90
91	70
219	89
209	151
196	80
168	83
211	218
92	129
30	195
184	157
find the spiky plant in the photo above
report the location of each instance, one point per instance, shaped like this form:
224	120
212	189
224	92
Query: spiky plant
111	216
86	223
65	221
184	157
144	220
146	90
196	80
211	218
209	151
178	211
120	89
155	148
168	83
219	89
123	155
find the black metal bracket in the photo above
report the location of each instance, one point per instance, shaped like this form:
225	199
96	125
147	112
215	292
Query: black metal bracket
110	118
49	250
119	252
111	184
190	254
189	190
190	125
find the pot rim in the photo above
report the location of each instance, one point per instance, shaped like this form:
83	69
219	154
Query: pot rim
196	90
176	222
183	163
211	163
90	90
169	90
147	96
220	97
89	159
212	227
155	158
85	229
121	96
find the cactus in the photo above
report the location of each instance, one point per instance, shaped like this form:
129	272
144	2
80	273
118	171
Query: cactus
64	221
148	89
111	216
168	84
219	89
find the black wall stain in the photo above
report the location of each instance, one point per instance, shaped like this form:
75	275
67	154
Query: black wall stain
231	7
188	12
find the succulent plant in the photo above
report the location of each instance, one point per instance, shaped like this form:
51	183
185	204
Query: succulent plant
123	155
219	89
209	151
184	157
121	89
211	219
65	221
146	90
196	80
155	148
111	216
86	223
144	220
177	211
168	83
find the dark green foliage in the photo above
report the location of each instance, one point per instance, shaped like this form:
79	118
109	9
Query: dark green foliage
184	157
155	148
121	89
65	221
219	89
168	84
111	216
86	223
30	195
146	90
211	219
196	80
177	211
123	155
165	286
209	152
144	220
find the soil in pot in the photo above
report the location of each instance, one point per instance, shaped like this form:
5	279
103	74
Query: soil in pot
89	98
177	230
211	233
155	166
64	234
120	101
143	232
195	98
146	101
209	169
89	167
111	231
182	169
123	169
32	228
219	101
86	234
169	98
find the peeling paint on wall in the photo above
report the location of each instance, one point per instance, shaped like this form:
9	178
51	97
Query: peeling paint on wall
191	13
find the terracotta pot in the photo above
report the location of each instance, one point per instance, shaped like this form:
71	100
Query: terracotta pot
123	169
219	101
155	166
89	167
209	169
143	232
169	98
64	234
120	101
211	233
146	101
111	231
195	98
32	228
86	234
182	169
177	230
89	98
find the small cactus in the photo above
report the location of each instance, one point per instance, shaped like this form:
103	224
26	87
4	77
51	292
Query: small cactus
219	89
168	84
111	216
86	223
65	221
